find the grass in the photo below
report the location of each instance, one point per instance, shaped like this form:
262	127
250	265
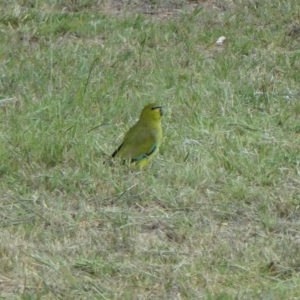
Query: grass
215	216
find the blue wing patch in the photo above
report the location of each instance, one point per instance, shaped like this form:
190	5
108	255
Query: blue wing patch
142	156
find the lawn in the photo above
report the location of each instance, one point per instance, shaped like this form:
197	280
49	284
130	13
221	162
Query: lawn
216	215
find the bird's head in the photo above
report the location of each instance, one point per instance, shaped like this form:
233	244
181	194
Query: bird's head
152	112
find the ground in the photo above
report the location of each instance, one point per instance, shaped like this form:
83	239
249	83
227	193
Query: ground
216	215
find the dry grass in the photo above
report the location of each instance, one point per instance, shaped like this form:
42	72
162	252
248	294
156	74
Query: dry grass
216	215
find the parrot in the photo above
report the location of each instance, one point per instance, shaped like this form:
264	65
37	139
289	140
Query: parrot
142	141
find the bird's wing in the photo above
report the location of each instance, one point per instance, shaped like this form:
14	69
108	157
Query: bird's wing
139	142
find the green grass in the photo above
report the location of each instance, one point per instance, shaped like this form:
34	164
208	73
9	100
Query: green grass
216	214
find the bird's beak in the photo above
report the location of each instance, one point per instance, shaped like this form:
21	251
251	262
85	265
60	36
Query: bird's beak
161	112
160	109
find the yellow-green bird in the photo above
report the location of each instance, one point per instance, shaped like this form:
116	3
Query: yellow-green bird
143	139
